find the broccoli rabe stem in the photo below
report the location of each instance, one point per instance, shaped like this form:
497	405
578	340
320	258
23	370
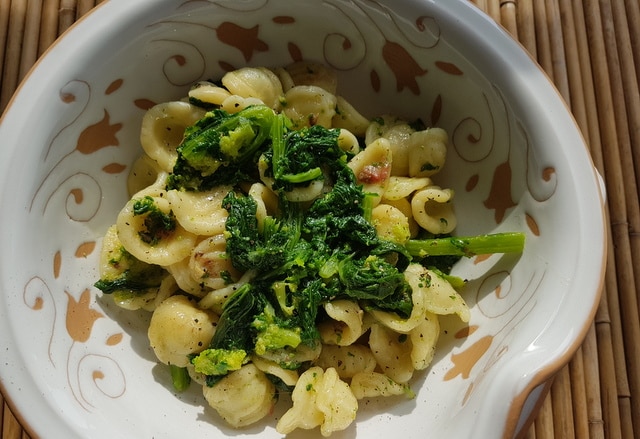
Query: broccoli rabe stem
180	378
511	242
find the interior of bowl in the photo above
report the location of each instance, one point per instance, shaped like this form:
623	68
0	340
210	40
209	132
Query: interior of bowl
79	366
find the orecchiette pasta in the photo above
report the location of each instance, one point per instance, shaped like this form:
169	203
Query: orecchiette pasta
433	211
162	130
312	73
392	353
427	153
372	384
308	105
345	324
242	397
170	248
391	223
210	265
209	93
178	328
372	167
347	360
135	229
255	82
320	398
423	341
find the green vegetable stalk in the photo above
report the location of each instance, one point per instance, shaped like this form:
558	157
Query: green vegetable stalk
510	242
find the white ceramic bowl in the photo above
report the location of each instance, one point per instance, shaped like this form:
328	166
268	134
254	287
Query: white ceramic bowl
74	366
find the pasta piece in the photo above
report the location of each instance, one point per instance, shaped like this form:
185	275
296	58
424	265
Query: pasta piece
320	398
138	234
397	132
210	265
181	272
392	351
235	103
313	73
198	212
442	298
348	142
293	356
423	341
287	376
402	187
163	128
132	302
404	206
147	300
266	202
348	118
208	93
417	277
242	397
345	326
308	105
215	299
336	402
178	329
144	172
168	288
427	152
372	384
390	223
433	210
285	79
303	413
255	82
372	168
347	360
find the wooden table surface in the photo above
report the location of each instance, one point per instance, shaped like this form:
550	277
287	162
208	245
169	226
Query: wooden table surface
591	51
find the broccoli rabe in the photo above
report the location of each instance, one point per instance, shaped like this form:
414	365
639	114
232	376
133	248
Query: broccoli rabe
180	378
509	242
217	362
300	156
218	148
272	332
123	275
310	253
157	224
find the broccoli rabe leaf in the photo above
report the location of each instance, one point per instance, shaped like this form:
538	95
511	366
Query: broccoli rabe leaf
250	249
122	273
157	224
233	330
273	332
304	153
220	147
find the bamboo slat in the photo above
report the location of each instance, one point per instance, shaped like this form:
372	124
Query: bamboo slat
48	25
591	51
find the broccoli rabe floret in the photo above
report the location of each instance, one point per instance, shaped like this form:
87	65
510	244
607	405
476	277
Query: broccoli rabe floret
220	147
272	333
219	361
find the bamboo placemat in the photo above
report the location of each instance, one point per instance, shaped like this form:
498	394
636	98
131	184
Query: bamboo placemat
591	51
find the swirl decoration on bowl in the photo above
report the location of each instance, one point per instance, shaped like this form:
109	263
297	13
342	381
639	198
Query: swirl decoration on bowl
89	153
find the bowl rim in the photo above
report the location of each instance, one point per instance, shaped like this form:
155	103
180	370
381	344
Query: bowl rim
514	423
